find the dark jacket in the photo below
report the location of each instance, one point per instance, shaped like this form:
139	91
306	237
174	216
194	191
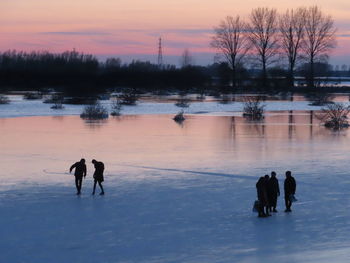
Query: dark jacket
80	169
261	191
273	187
99	168
289	186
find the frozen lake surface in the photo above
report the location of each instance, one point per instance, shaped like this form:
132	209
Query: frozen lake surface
174	193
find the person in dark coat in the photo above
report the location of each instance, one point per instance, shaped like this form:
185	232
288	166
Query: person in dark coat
262	196
289	189
98	175
273	191
79	173
267	205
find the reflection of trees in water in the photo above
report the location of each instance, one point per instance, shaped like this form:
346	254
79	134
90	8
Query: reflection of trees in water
291	126
95	124
180	123
233	127
254	127
124	117
288	124
58	118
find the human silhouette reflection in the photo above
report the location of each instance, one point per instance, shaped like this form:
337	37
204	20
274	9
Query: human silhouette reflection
98	175
79	173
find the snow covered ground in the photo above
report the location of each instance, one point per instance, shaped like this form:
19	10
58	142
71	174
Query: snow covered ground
174	193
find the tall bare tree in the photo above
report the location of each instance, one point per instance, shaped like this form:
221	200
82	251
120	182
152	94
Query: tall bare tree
186	59
231	41
263	31
319	38
292	30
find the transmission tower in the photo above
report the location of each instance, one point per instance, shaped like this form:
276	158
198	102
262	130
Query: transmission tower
160	53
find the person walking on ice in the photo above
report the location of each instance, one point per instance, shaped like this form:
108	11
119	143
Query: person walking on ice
79	173
98	175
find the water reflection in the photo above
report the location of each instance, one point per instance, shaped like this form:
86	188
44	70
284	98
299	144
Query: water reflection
95	124
211	142
58	118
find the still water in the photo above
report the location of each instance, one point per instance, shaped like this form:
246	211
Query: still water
39	150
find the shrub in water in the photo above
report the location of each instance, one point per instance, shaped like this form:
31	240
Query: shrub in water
179	117
116	108
4	100
32	96
57	101
94	111
183	102
128	97
253	108
319	98
57	106
335	116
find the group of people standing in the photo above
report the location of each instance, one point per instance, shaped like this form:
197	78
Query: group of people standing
80	173
268	191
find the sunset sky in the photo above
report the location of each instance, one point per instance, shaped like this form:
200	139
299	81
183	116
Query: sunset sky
130	28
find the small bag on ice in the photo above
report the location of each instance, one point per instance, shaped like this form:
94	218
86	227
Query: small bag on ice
292	198
256	206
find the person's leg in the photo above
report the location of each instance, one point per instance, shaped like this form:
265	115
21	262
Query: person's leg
286	201
93	191
77	185
289	204
261	209
274	203
80	181
100	184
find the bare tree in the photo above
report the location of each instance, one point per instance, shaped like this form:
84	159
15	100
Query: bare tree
263	32
319	38
292	29
186	59
231	41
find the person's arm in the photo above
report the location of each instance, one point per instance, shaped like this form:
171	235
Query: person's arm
72	167
294	186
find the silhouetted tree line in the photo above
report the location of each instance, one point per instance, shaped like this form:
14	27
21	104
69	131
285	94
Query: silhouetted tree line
79	74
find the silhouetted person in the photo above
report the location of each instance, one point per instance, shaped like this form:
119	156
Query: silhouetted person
267	205
289	189
262	196
98	175
79	173
273	191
